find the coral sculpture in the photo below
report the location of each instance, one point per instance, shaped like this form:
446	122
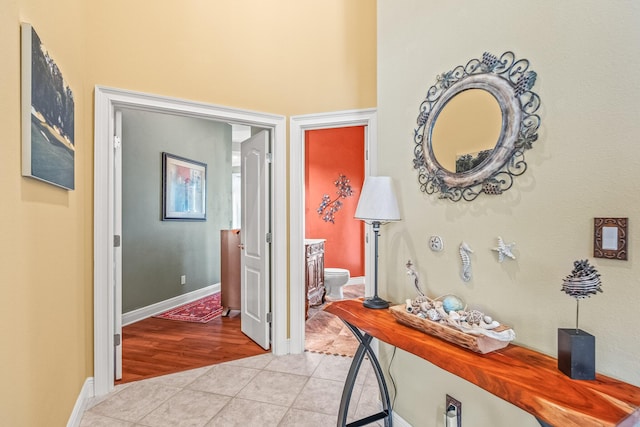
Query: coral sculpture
583	282
329	207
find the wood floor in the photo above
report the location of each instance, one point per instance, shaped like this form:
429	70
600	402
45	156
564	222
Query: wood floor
153	347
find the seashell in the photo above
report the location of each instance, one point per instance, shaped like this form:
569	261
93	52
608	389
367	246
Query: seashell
425	306
583	281
422	315
452	303
437	304
433	314
453	315
491	325
487	319
409	305
420	299
474	317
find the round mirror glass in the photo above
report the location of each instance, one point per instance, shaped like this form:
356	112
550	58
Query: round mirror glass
466	130
474	126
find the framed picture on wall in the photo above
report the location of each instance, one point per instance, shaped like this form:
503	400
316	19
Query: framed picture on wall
48	148
184	189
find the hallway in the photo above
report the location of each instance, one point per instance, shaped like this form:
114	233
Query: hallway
265	390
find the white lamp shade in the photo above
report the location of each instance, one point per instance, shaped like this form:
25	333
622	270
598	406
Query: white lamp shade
378	201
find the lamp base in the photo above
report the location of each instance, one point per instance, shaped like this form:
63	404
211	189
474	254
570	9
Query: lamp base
375	302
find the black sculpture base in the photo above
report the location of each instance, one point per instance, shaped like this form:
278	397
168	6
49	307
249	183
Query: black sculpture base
375	302
577	354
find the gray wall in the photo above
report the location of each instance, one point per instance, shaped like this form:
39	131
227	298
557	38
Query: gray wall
155	252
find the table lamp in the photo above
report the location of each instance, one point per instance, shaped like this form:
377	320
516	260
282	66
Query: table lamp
377	206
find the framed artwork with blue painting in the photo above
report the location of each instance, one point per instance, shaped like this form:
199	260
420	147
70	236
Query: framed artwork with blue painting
48	146
184	189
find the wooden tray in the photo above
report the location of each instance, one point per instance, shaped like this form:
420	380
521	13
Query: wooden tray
478	343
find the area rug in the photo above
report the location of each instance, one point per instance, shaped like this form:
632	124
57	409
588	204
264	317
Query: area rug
327	334
200	311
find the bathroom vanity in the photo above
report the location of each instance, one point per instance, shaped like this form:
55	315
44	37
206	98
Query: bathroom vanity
314	273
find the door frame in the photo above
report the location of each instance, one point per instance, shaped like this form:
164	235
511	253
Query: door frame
298	125
107	100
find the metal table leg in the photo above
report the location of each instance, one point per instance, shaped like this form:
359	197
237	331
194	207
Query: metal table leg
364	348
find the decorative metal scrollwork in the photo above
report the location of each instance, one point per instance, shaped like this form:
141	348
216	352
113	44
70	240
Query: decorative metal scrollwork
510	82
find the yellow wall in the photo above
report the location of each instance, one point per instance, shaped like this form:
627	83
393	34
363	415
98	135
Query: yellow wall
285	57
45	291
584	165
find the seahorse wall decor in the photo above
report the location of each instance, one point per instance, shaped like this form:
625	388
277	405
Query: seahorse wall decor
465	250
411	271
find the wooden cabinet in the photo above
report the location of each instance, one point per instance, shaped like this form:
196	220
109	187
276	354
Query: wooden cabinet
314	273
230	254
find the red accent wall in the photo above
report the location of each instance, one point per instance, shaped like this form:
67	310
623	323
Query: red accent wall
329	153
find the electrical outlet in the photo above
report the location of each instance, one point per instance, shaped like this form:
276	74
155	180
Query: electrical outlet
453	404
183	279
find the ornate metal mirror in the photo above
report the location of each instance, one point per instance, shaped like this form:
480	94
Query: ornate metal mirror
474	126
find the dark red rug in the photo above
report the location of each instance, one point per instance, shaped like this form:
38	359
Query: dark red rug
200	311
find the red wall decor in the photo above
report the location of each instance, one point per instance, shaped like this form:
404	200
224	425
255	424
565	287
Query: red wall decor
330	153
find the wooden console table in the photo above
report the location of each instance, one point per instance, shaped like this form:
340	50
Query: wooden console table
525	378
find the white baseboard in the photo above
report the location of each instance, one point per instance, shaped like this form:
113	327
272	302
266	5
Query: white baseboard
356	280
86	393
399	422
162	306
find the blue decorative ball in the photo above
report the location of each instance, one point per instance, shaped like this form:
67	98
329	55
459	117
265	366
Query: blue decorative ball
452	303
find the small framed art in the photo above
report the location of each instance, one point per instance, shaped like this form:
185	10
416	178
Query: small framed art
184	189
610	237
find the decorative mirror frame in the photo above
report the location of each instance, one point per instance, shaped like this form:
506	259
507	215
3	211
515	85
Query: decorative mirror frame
510	82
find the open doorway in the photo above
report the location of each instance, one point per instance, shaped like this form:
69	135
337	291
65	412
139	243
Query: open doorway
167	263
334	239
106	237
299	126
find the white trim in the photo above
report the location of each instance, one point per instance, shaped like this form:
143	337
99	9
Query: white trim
106	101
162	306
86	393
398	421
298	125
356	280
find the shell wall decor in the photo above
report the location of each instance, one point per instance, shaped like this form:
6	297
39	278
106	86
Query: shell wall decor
504	250
465	250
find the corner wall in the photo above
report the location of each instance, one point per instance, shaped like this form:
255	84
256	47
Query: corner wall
45	256
584	165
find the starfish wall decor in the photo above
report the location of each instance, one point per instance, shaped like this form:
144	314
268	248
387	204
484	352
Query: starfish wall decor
504	250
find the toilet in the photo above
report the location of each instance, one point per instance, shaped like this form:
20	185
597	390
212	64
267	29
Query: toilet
334	280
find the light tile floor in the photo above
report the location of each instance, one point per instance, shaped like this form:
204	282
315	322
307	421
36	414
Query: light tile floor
294	390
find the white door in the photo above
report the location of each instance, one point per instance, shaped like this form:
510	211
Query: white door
255	238
117	245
